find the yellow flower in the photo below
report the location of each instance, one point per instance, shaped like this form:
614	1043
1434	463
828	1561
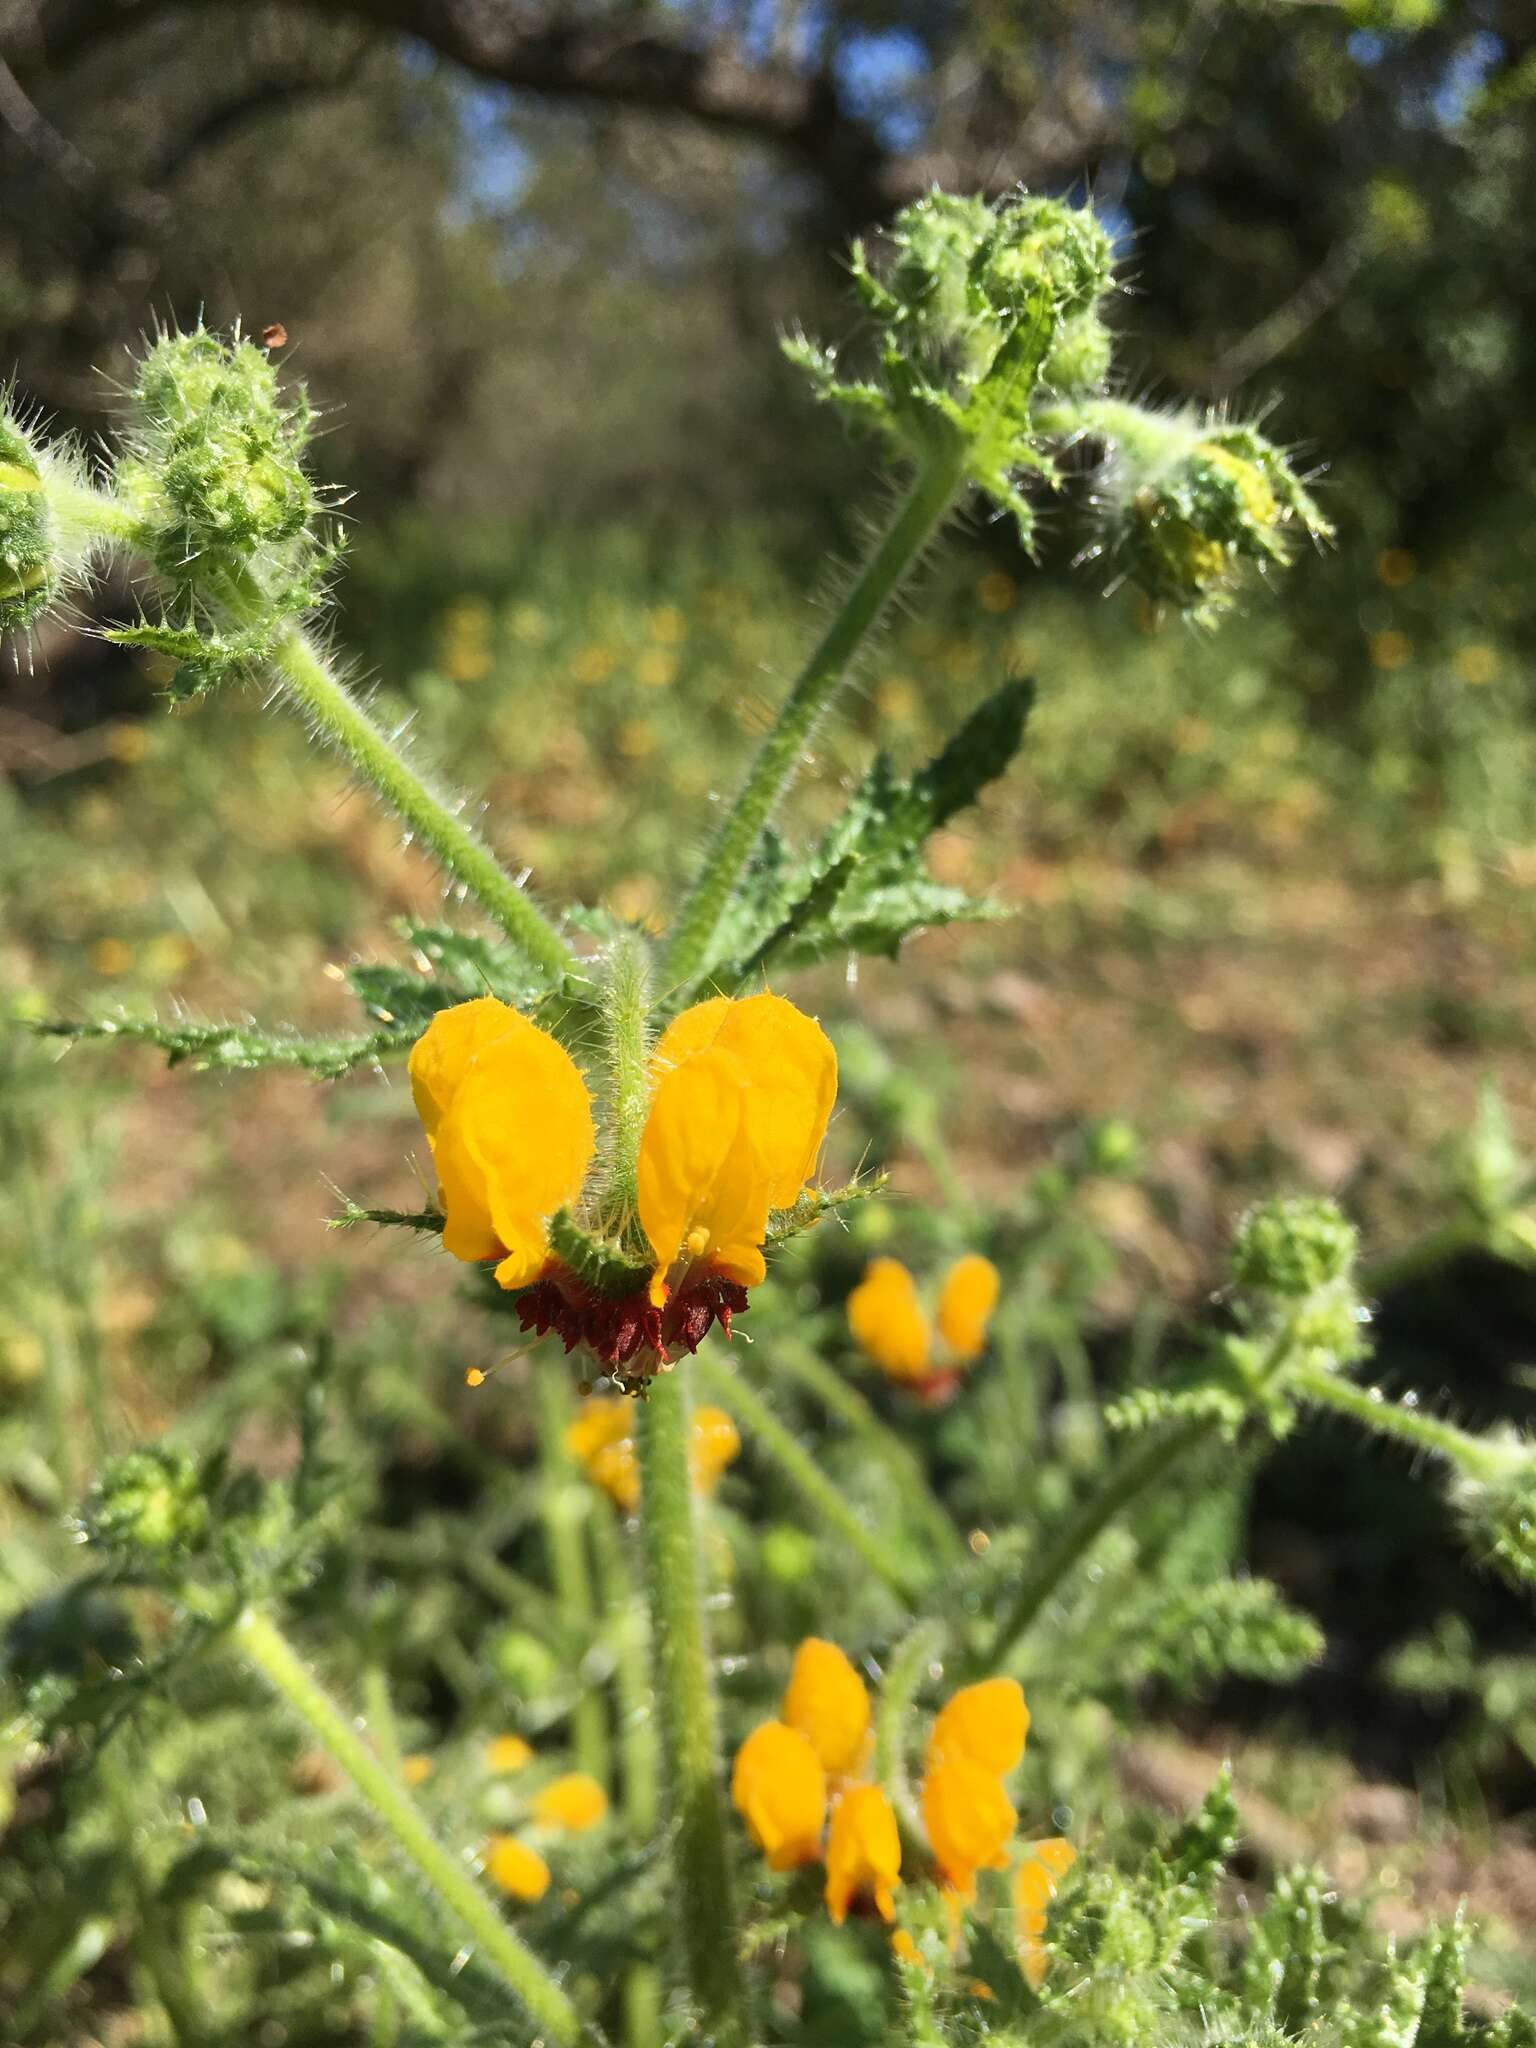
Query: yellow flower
966	1303
887	1320
906	1950
416	1770
827	1701
1045	1864
985	1724
743	1094
507	1753
602	1443
573	1804
863	1852
780	1790
509	1121
515	1868
969	1818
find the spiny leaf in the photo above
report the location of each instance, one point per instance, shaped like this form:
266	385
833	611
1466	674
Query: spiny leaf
236	1047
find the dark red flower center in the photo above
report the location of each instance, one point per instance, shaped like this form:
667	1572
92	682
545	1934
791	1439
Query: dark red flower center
628	1333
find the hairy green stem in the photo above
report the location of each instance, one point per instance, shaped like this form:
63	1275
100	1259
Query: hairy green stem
702	1905
1149	1459
565	1501
259	1640
917	519
1374	1411
626	996
904	1672
826	1385
335	714
778	1442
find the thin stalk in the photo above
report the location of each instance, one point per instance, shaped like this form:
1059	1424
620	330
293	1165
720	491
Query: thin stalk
917	519
625	1006
259	1640
805	1475
825	1384
1371	1408
1149	1459
379	1713
564	1500
334	714
904	1672
702	1905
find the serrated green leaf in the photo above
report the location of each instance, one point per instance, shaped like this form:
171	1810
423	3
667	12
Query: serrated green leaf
236	1047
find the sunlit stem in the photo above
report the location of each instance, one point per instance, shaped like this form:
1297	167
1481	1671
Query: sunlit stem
919	516
565	1503
1372	1409
702	1907
259	1640
625	1003
905	1670
777	1442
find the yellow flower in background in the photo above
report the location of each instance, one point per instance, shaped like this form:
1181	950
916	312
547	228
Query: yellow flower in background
742	1092
780	1790
966	1302
509	1121
601	1440
863	1853
905	1949
828	1702
505	1754
516	1869
1043	1867
743	1095
887	1320
416	1770
970	1821
572	1804
986	1724
889	1325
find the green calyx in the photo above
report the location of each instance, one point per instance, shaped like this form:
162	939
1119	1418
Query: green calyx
147	1507
1294	1247
29	565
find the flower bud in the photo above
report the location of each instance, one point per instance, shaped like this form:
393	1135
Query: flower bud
1294	1247
29	556
147	1506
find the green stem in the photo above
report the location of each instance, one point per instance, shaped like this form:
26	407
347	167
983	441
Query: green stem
566	1500
904	1673
379	1713
264	1646
702	1904
1150	1458
917	519
625	1007
1371	1408
825	1384
337	717
778	1442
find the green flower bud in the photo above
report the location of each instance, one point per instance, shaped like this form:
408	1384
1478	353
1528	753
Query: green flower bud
1080	361
30	568
1294	1247
147	1506
529	1667
217	474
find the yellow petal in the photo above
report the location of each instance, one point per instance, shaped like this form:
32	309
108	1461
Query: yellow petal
1034	1886
780	1790
969	1818
887	1320
828	1702
966	1302
863	1853
692	1030
512	1146
440	1058
698	1184
986	1724
791	1085
507	1753
516	1869
573	1803
600	1421
714	1442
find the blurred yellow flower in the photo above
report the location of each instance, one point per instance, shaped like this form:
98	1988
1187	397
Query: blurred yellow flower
966	1302
1390	649
780	1790
996	591
572	1804
887	1320
111	956
669	625
905	1949
1396	567
602	1442
863	1853
416	1769
656	668
516	1869
827	1701
970	1820
986	1724
1475	664
1035	1881
507	1753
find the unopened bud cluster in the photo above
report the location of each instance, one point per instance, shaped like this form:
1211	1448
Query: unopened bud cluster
147	1507
1294	1258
